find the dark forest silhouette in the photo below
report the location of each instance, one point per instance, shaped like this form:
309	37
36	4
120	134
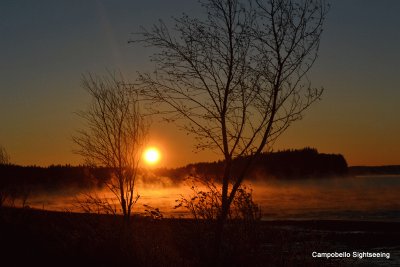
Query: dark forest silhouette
288	164
54	177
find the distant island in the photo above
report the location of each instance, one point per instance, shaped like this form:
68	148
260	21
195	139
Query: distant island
286	164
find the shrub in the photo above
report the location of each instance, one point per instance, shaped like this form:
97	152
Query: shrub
204	202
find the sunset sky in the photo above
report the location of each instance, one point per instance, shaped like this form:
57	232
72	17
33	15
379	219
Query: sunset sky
47	45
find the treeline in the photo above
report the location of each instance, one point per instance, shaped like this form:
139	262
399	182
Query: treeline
53	177
287	164
307	162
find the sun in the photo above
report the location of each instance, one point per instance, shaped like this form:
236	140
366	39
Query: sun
151	155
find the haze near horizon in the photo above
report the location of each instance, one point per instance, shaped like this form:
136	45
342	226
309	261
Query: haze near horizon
47	46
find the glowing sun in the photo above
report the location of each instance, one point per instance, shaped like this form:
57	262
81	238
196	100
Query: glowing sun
151	155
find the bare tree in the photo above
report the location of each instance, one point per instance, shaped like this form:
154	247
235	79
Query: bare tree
4	156
115	135
4	189
236	79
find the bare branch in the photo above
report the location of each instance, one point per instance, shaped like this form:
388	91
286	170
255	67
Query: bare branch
115	135
238	78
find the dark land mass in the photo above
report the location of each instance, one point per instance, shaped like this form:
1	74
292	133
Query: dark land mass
43	238
53	177
288	164
16	181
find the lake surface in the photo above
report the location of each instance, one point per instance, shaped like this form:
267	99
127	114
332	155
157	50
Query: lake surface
349	198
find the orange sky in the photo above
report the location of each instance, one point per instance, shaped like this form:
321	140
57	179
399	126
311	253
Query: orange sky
44	53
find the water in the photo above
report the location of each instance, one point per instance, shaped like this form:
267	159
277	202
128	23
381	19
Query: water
349	198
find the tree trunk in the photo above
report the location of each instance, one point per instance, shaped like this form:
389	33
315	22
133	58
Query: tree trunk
219	235
223	215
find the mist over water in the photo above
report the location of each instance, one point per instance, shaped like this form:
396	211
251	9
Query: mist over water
351	198
348	198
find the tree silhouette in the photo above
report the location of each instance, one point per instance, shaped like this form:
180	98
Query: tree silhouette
115	135
4	156
236	79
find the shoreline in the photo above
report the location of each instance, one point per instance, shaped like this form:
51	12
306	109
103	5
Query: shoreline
45	237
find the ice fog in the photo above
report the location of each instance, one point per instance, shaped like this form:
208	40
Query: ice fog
358	198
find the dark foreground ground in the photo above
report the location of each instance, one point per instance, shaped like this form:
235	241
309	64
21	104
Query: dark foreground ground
31	237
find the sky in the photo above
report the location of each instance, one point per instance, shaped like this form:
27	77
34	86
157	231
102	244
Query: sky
47	45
